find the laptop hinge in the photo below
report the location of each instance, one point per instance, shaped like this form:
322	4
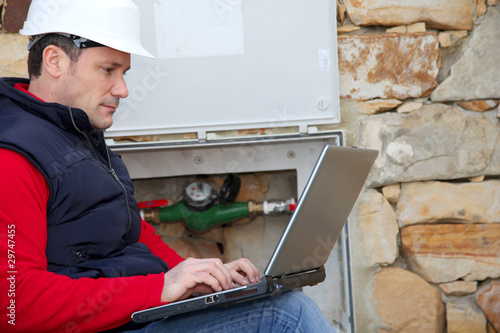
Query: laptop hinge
296	280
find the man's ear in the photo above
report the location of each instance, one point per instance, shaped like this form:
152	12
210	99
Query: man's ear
55	60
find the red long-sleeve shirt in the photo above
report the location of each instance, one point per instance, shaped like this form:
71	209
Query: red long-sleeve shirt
33	299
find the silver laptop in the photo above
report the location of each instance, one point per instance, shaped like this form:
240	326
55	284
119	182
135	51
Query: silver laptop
306	243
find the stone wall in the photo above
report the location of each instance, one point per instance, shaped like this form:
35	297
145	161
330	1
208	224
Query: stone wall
423	79
420	81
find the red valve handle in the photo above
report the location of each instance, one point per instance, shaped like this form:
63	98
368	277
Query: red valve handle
153	203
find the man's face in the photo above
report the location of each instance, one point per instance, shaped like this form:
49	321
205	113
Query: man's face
95	84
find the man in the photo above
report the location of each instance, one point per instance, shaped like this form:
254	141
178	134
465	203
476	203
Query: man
76	255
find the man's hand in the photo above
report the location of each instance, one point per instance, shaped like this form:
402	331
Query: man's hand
205	276
242	268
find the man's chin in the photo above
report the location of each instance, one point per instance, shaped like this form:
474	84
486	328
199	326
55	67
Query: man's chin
103	125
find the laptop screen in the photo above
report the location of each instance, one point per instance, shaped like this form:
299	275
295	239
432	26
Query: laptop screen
322	210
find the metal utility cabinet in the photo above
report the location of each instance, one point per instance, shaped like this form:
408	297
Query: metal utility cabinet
236	86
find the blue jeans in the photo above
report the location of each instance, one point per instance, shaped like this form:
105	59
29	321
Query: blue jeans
290	312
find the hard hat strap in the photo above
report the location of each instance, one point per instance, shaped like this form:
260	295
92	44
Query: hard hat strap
80	42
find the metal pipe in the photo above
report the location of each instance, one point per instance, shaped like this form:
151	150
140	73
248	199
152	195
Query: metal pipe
216	215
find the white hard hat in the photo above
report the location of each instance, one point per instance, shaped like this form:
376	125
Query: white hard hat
112	23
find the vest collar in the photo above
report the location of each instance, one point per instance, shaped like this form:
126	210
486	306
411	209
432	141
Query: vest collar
54	113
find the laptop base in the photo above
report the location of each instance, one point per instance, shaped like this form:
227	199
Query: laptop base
269	286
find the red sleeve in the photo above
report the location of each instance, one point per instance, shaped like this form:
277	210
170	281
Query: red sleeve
36	300
157	246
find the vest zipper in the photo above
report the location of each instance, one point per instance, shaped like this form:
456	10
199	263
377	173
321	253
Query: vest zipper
109	167
113	172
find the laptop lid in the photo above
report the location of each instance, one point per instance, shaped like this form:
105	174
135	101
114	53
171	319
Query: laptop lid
322	210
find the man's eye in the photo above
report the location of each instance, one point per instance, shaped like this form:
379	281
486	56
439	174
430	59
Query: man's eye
107	70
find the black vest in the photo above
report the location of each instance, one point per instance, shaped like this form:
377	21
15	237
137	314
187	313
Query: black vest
93	221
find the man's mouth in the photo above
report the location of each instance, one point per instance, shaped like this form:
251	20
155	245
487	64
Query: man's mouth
111	108
113	104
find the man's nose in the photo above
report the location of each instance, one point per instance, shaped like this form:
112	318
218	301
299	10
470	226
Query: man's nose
120	88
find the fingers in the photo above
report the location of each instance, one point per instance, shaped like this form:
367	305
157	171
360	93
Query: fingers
183	279
206	275
241	268
216	269
209	271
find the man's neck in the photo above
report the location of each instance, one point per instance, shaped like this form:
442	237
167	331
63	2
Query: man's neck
36	88
24	87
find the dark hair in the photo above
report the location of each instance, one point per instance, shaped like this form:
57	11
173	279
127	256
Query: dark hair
35	57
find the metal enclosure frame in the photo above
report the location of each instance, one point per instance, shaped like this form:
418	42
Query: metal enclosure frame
188	108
